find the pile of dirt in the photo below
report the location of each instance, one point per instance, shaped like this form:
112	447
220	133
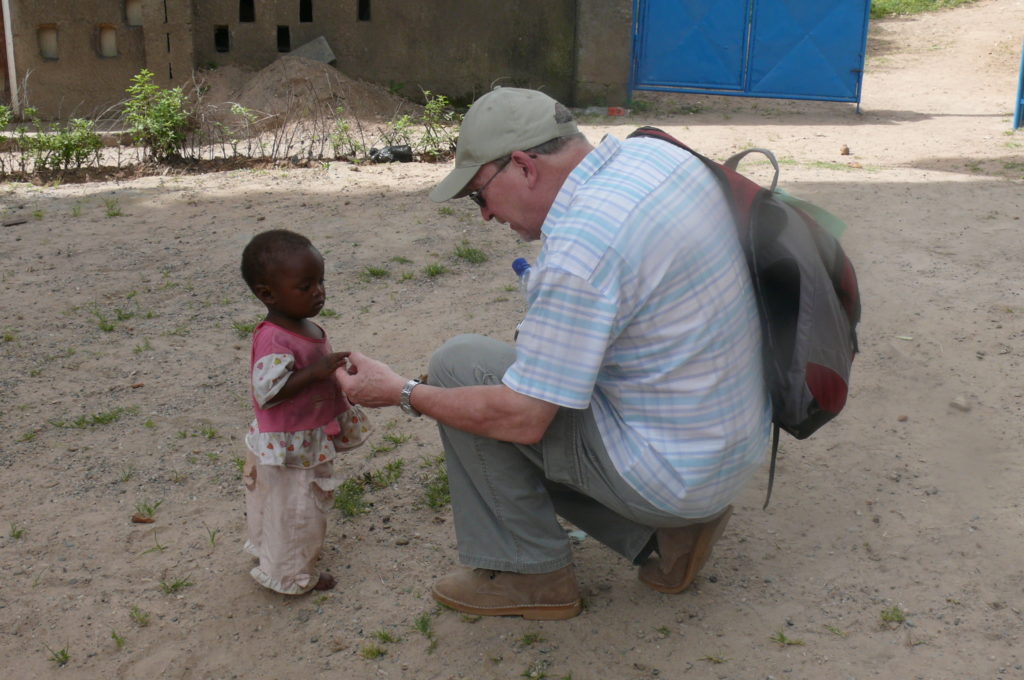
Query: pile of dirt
296	87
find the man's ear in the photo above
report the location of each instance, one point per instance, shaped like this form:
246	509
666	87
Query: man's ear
263	293
526	163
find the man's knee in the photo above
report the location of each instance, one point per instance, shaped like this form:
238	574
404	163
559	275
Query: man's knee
470	360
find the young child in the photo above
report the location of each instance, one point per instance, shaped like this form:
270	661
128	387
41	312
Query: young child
302	416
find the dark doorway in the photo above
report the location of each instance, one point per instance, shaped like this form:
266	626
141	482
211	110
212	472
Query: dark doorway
284	39
221	39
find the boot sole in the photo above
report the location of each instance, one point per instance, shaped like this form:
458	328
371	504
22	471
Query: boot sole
706	539
531	612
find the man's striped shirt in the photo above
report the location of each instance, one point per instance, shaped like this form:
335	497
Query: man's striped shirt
641	306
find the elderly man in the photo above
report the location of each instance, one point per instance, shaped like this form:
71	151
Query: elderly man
632	403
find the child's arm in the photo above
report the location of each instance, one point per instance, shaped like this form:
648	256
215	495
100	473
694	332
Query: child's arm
299	380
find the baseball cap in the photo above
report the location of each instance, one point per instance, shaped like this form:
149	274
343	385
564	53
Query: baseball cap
504	120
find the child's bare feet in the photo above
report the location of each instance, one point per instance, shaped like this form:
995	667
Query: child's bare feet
326	582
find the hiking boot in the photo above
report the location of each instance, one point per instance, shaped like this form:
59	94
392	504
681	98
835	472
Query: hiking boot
682	552
485	592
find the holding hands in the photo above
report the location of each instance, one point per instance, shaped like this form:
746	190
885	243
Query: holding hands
369	382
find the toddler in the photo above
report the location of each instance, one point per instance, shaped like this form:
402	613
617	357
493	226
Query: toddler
302	416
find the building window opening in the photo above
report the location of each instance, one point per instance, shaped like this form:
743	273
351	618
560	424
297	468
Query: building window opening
47	37
284	39
108	41
246	11
221	39
168	43
364	10
133	12
305	11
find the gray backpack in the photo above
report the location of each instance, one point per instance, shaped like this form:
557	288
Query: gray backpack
807	296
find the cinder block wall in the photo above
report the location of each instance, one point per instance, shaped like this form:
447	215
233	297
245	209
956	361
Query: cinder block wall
576	50
79	81
455	47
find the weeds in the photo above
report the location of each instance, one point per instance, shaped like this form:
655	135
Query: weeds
59	656
244	329
389	442
348	498
147	509
156	546
385	636
780	637
101	321
371	272
144	347
435	269
888	8
16	532
211	535
140	617
385	477
373	652
118	638
113	207
470	254
175	586
103	418
528	639
436	492
894	614
424	623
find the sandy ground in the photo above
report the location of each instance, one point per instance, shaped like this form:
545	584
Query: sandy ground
124	385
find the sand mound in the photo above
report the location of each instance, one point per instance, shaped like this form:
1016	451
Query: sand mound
297	87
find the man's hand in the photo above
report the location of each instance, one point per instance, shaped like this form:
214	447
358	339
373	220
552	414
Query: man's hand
493	411
369	382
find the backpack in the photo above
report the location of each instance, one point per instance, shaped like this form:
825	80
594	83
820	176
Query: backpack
806	291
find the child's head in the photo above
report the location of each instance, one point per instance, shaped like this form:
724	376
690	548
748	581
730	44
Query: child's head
285	272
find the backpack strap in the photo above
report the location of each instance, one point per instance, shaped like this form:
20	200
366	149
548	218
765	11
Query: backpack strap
733	162
771	466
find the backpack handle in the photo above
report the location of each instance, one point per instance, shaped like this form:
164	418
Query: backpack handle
733	162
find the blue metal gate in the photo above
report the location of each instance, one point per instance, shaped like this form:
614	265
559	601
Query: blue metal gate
785	49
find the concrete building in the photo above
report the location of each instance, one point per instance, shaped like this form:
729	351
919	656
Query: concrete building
76	57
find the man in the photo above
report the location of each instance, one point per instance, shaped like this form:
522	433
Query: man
632	403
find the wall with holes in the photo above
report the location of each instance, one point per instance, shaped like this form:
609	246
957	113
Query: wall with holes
76	57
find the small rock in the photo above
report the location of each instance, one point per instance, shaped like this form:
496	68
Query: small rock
844	150
960	403
902	418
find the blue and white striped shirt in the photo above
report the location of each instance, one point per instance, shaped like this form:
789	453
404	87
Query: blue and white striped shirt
641	306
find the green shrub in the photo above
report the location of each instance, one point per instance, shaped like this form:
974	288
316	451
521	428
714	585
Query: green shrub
157	118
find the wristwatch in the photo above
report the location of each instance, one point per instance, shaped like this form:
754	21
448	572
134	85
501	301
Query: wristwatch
404	399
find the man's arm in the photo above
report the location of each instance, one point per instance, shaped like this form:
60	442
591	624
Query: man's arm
492	411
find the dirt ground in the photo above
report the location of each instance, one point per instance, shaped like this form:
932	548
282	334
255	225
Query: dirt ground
125	386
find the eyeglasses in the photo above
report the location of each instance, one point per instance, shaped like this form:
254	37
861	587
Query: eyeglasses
477	196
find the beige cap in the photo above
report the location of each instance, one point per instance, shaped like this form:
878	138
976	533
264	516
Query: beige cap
504	120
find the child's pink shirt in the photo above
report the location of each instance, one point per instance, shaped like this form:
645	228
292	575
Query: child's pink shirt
316	406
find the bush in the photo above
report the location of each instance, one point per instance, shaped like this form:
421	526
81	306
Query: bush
157	118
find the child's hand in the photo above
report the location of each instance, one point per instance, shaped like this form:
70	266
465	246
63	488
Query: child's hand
325	367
